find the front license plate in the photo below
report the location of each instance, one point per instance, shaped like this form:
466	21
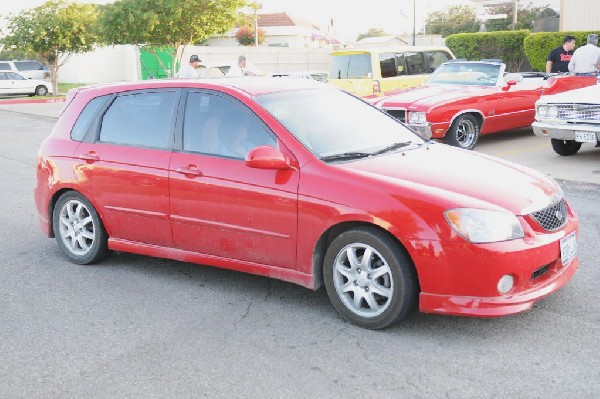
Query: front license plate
585	137
568	248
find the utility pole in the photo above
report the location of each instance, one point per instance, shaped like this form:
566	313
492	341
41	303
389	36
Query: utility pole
515	11
414	21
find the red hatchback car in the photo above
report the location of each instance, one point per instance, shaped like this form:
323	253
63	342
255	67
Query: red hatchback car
299	181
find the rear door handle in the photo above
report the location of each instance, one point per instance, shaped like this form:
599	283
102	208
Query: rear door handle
90	157
190	171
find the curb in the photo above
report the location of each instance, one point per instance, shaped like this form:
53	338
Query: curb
32	100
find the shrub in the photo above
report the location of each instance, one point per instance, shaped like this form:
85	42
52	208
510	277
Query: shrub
538	45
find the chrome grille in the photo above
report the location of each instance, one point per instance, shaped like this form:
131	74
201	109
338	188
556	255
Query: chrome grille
399	114
578	112
553	217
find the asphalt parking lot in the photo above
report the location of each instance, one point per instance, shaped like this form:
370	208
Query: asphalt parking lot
140	327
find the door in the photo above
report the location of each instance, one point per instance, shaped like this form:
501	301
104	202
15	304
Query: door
220	206
124	166
516	104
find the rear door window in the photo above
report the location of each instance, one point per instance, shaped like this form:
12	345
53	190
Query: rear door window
392	64
4	66
351	66
140	119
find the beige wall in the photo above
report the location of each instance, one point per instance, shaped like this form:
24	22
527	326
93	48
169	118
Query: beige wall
579	15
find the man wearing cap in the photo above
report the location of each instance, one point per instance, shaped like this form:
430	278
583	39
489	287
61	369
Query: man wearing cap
188	71
586	59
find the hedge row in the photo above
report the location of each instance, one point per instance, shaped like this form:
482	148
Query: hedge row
513	47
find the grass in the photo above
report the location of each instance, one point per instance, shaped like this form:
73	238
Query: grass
63	88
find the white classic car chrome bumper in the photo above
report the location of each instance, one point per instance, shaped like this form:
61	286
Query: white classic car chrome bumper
564	131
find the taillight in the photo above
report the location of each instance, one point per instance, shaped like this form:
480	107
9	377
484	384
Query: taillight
376	87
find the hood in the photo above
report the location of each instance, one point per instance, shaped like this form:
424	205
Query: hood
427	96
587	95
460	173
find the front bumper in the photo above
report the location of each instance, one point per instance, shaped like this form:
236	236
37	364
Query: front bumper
563	131
423	129
501	305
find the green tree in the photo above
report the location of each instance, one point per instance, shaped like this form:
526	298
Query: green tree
53	31
166	23
373	32
455	19
526	15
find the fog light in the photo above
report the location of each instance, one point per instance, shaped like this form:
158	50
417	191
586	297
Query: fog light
505	284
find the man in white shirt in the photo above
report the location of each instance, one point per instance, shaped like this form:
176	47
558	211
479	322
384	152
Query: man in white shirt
586	59
240	69
188	71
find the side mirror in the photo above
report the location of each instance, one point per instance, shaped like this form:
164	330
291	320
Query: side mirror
267	157
509	83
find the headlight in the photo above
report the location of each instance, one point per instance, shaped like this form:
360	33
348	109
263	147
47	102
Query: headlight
543	111
417	117
552	111
480	226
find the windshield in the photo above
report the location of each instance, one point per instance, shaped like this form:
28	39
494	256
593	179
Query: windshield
466	73
334	123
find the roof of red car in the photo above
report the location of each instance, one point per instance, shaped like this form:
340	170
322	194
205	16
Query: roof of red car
250	85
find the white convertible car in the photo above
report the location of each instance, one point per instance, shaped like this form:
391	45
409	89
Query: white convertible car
569	119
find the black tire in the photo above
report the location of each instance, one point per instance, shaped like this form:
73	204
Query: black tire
463	133
386	285
78	229
41	90
565	147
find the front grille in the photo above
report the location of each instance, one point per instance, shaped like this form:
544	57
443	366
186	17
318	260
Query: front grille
579	112
553	217
537	273
399	114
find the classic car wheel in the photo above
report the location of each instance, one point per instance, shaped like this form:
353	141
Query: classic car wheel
78	229
565	147
41	90
463	133
370	279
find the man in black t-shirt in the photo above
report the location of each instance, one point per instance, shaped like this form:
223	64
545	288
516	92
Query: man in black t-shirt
558	59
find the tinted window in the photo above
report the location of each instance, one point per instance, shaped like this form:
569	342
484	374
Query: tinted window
350	66
435	59
85	118
142	119
415	63
28	66
216	125
4	66
392	64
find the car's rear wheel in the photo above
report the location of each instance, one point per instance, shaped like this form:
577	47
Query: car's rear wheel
463	133
370	279
565	147
78	229
41	90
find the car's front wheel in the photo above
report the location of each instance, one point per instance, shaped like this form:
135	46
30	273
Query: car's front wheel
565	147
370	279
78	229
41	90
463	133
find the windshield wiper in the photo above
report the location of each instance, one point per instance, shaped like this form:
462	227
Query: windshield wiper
392	147
346	155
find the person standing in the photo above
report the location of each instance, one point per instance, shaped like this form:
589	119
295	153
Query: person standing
558	59
241	68
586	59
188	71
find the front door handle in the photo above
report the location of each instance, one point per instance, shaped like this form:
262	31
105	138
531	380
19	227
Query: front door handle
90	157
191	170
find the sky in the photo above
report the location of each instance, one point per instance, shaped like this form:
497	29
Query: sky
350	17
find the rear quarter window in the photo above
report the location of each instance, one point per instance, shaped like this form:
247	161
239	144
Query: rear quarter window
4	66
350	66
81	126
28	66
